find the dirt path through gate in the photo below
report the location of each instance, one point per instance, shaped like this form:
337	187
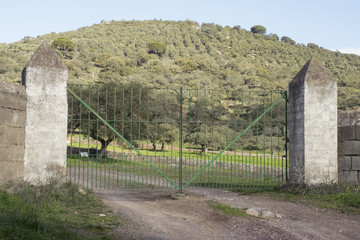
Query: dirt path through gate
165	215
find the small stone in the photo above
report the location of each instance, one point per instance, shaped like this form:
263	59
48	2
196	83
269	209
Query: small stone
279	216
82	191
254	212
102	215
267	214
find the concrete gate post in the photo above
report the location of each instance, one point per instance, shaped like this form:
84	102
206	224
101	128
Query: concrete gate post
313	126
45	79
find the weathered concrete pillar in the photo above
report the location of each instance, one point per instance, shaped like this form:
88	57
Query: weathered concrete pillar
313	126
45	78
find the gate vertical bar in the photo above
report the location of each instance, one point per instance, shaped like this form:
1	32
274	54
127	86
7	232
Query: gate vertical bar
180	140
97	140
271	139
114	149
79	139
139	138
89	122
71	136
286	134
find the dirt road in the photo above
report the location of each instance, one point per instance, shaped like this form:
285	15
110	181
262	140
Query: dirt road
167	215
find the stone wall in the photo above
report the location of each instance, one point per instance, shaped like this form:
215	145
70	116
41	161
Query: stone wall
12	131
349	146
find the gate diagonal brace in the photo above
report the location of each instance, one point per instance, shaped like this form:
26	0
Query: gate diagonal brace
230	144
122	138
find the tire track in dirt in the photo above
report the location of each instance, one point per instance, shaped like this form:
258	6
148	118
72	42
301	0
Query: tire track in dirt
163	215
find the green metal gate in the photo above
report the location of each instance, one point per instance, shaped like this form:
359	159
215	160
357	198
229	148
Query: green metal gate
134	137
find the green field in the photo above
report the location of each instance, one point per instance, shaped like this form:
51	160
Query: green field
263	158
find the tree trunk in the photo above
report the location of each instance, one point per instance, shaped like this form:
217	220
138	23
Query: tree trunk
104	143
102	151
162	146
154	147
204	149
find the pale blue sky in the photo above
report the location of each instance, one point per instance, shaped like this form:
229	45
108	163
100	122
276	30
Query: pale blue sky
331	24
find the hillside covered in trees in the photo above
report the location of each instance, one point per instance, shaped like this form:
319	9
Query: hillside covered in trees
174	54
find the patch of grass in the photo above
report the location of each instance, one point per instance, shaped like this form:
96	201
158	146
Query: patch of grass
226	209
345	198
53	211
